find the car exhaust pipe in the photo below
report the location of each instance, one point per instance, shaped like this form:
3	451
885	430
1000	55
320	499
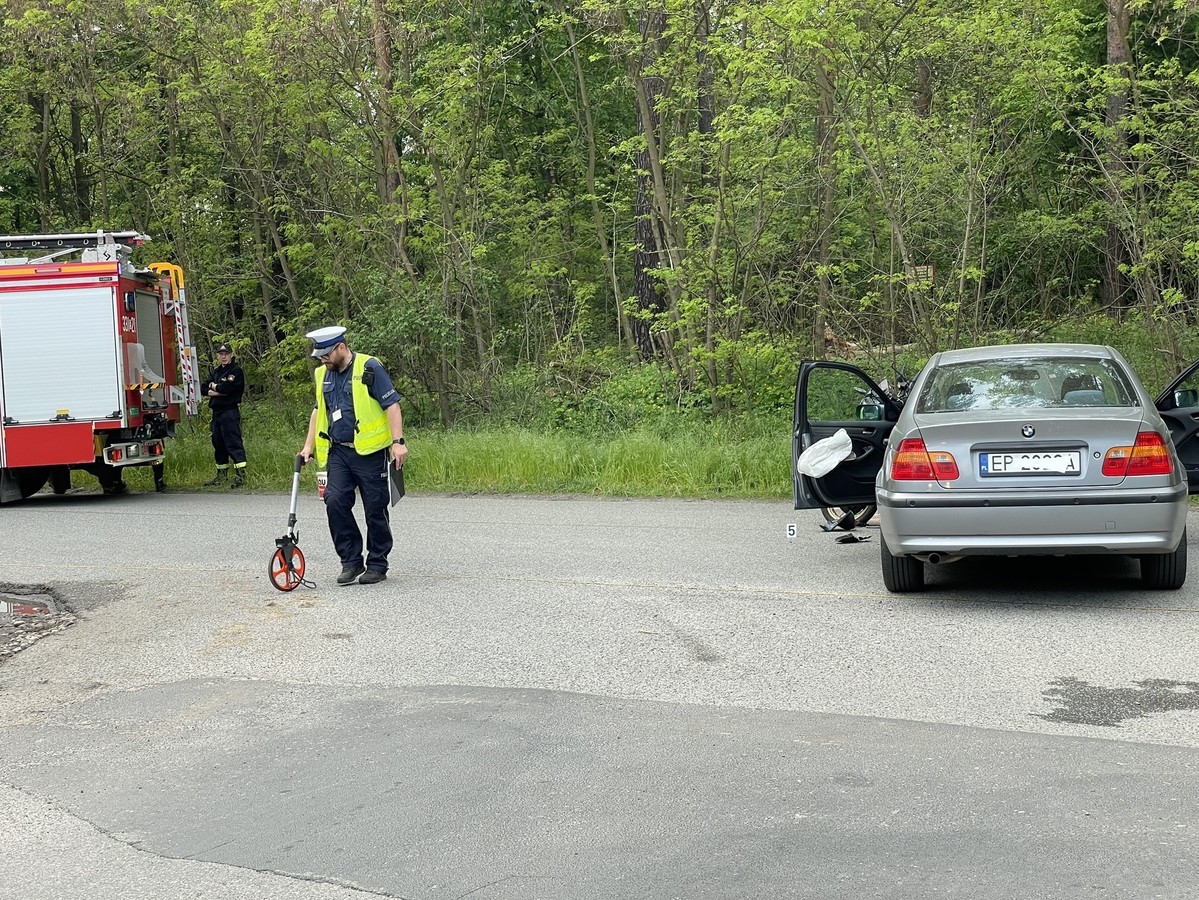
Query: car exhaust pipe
939	559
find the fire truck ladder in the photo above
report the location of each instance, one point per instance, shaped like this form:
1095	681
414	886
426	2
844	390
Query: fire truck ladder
173	277
96	246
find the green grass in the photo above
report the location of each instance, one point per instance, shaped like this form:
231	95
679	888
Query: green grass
690	460
699	462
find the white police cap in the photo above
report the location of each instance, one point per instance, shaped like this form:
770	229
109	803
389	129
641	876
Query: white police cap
325	339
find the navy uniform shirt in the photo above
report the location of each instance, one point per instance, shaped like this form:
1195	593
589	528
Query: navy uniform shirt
230	383
339	396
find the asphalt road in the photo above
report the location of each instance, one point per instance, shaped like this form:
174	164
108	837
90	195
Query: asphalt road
573	698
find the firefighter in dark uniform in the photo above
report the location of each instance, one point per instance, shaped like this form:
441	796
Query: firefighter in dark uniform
224	387
356	432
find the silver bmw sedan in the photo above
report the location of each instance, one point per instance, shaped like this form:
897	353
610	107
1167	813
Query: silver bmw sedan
1027	449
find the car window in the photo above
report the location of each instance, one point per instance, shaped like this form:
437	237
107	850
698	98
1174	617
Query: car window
1186	392
1026	382
837	395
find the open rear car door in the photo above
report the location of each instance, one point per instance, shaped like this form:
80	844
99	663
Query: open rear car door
830	396
1179	406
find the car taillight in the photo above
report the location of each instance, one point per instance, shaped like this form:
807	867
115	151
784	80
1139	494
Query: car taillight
1148	456
914	462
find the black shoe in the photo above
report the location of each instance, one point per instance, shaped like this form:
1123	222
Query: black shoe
350	573
238	481
219	478
372	576
160	487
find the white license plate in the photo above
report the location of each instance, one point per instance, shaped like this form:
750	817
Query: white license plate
1052	462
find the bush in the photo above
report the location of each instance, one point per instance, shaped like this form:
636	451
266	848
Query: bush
592	393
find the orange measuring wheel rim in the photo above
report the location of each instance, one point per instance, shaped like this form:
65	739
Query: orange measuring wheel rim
283	576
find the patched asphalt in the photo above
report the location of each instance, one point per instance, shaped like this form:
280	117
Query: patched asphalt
561	697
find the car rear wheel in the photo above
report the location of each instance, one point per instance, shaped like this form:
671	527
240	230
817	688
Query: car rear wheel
861	514
1165	571
901	573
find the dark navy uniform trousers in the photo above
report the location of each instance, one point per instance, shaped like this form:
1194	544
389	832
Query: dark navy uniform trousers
368	474
226	436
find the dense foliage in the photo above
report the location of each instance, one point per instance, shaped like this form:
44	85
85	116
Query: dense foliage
510	199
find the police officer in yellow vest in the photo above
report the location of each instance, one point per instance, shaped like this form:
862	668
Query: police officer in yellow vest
356	432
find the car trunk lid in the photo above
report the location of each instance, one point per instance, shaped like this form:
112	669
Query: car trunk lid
1034	449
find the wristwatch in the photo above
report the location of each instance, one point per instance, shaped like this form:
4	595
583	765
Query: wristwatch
399	441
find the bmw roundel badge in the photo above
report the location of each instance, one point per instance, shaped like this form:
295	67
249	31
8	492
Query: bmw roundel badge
1028	431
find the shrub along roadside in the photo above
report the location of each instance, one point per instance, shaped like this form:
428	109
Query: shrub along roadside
597	425
744	460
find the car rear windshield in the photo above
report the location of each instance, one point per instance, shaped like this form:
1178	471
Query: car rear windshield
1026	382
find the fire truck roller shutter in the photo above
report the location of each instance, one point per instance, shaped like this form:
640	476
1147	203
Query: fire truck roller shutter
149	335
60	354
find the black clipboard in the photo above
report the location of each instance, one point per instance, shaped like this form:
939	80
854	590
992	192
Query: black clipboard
396	482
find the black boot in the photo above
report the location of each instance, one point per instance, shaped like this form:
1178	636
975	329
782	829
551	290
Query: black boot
218	478
239	477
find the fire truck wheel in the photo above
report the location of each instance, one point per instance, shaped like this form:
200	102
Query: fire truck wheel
60	479
31	480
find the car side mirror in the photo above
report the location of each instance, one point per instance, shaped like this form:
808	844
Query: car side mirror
871	412
1186	398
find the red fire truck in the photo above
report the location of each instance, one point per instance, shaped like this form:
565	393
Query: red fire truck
96	361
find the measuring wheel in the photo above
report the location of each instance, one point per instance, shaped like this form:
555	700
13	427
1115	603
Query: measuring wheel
287	562
287	568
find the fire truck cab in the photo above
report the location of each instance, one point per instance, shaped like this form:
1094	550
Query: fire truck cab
96	362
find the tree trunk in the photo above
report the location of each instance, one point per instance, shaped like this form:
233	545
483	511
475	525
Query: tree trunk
391	173
83	185
623	325
924	88
1114	251
711	173
647	256
265	281
41	107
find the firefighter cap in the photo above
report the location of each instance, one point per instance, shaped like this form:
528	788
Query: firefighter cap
325	339
224	348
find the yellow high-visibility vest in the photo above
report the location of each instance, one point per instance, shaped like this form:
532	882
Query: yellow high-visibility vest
371	432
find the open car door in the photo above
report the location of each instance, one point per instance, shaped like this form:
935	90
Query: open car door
830	396
1179	406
